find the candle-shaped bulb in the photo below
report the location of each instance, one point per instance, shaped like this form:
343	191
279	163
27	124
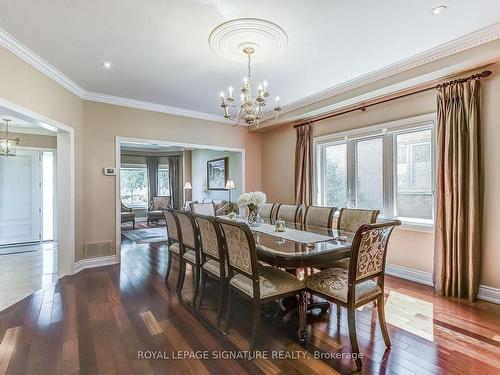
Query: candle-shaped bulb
278	100
265	86
230	91
245	80
222	97
242	97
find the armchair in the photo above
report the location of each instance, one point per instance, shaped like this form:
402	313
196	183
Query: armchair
127	215
156	208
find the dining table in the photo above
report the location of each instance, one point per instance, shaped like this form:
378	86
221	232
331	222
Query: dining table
299	247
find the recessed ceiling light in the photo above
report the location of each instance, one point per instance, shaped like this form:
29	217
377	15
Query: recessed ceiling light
438	10
106	64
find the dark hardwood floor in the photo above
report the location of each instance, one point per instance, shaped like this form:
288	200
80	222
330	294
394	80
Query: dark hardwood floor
111	319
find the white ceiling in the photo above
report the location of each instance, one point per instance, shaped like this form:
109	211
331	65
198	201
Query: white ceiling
160	53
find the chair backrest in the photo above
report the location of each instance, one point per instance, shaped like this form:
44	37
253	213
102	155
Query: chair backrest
172	228
266	211
290	212
210	236
369	251
350	219
161	203
319	216
207	209
125	208
239	244
207	200
187	227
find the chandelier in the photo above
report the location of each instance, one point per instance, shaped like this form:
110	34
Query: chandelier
251	107
8	144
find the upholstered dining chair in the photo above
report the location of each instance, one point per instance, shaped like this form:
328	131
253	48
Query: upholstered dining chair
268	211
173	241
290	213
213	262
190	246
349	220
319	216
356	286
257	283
207	209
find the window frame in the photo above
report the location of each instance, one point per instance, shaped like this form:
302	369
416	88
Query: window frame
388	132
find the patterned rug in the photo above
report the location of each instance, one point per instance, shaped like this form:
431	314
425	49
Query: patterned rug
146	235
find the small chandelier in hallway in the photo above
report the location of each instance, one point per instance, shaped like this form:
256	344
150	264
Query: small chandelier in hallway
7	143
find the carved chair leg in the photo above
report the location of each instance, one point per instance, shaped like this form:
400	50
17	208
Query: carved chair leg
182	274
201	291
382	322
169	265
338	315
351	319
222	295
255	324
197	272
228	310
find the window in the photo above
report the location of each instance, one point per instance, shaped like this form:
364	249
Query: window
369	174
134	186
414	182
387	168
163	181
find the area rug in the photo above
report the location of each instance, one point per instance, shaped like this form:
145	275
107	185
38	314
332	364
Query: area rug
146	235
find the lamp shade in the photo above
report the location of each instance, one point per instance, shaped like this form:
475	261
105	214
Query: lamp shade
230	185
187	185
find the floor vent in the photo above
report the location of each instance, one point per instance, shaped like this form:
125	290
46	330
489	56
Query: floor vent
98	249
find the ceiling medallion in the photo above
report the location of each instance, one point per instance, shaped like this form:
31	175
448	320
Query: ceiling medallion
229	39
240	40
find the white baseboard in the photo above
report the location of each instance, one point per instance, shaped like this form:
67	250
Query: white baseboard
95	262
420	277
486	293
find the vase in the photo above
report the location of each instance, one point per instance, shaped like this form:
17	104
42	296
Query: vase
253	217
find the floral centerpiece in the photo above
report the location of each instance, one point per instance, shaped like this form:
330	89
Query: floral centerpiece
253	201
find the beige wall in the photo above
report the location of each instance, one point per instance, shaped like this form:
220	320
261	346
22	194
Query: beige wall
103	123
408	248
36	140
25	86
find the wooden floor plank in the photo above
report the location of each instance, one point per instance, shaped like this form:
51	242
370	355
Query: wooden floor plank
105	320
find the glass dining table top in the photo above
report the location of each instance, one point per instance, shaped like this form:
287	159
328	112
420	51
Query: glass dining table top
291	251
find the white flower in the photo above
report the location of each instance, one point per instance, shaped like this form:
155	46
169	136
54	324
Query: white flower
256	198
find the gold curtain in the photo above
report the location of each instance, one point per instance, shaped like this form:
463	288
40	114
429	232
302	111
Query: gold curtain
458	213
303	165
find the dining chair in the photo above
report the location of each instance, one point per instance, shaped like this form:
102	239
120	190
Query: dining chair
266	211
173	242
290	213
253	281
356	286
213	262
207	209
319	216
350	219
189	246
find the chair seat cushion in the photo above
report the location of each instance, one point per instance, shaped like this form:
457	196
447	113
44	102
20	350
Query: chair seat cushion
190	256
272	281
212	266
342	263
155	214
175	248
126	216
333	282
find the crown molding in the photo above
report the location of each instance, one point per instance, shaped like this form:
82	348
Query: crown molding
466	42
455	46
148	106
24	53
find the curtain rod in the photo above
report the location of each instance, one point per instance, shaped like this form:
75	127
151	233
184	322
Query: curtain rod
363	107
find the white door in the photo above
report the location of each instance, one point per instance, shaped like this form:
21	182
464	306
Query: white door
20	198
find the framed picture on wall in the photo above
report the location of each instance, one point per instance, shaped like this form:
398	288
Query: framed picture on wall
217	172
